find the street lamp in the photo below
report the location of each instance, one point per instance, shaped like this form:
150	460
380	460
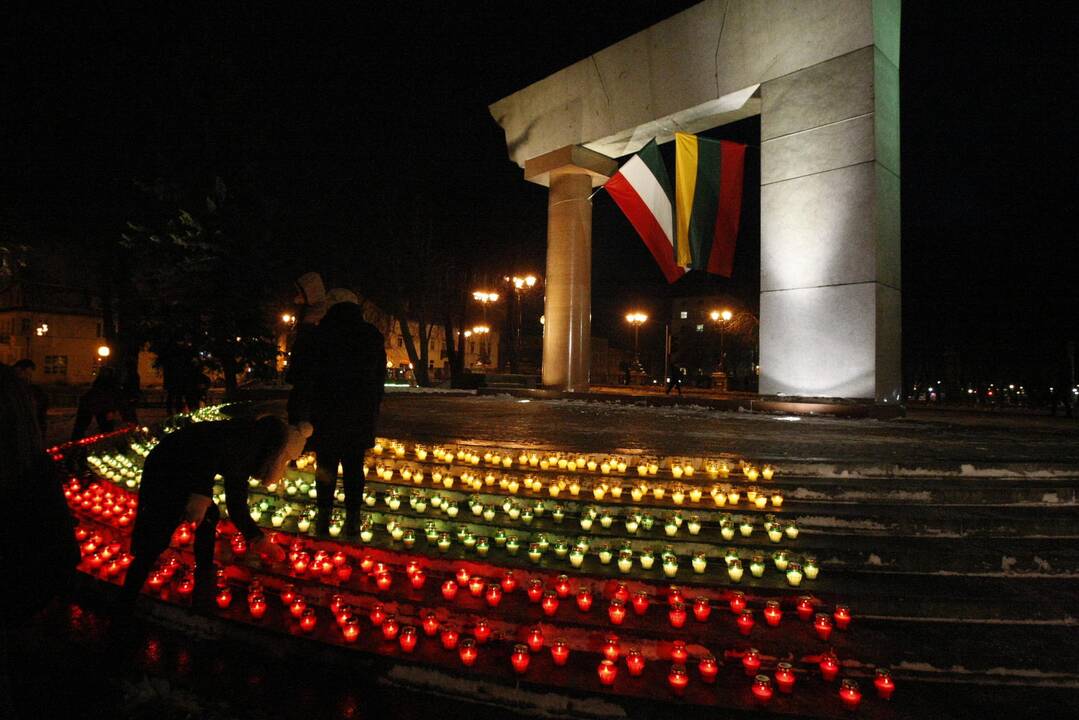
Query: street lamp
721	318
520	284
636	319
104	351
484	298
482	331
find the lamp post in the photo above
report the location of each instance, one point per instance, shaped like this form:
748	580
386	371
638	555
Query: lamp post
521	284
484	298
636	319
721	318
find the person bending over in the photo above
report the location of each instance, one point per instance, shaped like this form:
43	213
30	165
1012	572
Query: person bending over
177	486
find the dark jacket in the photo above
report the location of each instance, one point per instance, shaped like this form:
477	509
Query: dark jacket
344	378
102	402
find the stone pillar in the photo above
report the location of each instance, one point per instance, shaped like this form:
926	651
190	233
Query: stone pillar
570	173
830	232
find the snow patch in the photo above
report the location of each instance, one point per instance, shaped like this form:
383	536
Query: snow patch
1042	565
806	494
1007	563
834	522
1050	498
874	559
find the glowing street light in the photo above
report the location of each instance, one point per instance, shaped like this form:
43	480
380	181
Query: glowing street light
104	351
721	318
288	318
485	296
636	319
521	283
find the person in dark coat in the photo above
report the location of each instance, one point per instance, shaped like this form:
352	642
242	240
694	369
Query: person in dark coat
346	387
678	375
177	486
24	369
311	297
102	402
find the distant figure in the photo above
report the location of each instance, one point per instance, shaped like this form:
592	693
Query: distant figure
196	387
177	486
346	384
311	297
1063	379
624	367
24	370
678	375
175	367
102	402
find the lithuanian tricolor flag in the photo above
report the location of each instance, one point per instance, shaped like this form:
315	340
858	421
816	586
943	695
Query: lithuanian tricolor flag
708	202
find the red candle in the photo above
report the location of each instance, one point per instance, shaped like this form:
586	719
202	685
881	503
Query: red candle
679	652
509	582
584	599
449	590
773	614
823	626
621	593
308	620
829	666
550	603
390	627
842	616
678	678
337	602
677	615
746	622
156	581
408	638
640	602
351	629
384	580
256	605
475	585
535	639
805	608
635	662
702	609
297	606
466	651
616	611
417	579
493	595
751	661
288	594
366	563
224	598
674	594
785	678
429	624
186	586
559	652
708	667
884	684
462	576
850	694
378	614
520	658
449	638
300	564
482	631
411	567
344	573
535	589
762	689
738	602
239	545
607	671
612	648
562	587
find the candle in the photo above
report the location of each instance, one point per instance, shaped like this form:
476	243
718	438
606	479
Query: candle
429	624
823	625
224	598
534	639
829	666
562	586
677	678
351	629
559	652
745	622
616	611
676	614
738	602
408	638
751	661
884	684
805	608
520	659
449	638
785	677
850	694
699	562
378	614
635	662
810	567
708	667
612	648
390	627
702	608
549	603
509	582
762	689
449	590
842	616
482	631
535	589
466	651
772	613
794	575
679	651
584	599
734	570
621	593
640	602
475	585
383	580
607	671
297	606
781	560
418	578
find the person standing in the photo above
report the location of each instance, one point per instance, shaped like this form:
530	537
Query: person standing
177	486
678	374
311	297
102	402
24	370
342	398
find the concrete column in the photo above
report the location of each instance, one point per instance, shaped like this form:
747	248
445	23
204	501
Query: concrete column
830	266
570	173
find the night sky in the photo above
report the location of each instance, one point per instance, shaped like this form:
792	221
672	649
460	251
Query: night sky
352	121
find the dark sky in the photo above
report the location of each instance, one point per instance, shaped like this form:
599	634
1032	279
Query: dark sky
350	118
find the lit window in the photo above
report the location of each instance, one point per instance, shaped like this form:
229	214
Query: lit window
684	314
700	328
56	364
